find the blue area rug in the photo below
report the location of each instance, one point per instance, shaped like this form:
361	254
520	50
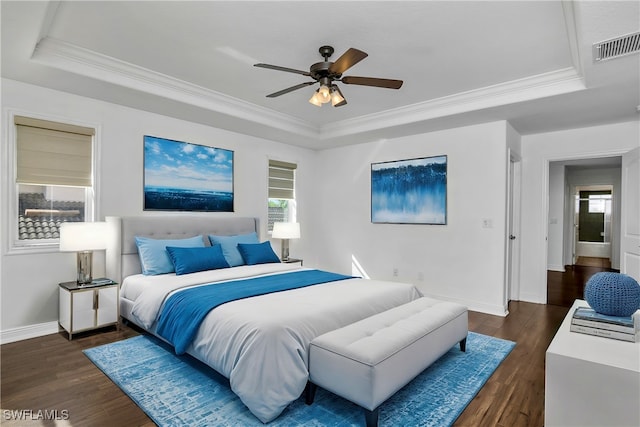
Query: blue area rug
180	391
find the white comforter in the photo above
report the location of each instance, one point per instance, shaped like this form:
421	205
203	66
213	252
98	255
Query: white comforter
261	343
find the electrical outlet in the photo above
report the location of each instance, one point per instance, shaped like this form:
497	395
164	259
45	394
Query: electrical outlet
487	223
395	272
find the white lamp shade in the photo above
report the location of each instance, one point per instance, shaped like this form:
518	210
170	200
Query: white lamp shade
83	236
286	230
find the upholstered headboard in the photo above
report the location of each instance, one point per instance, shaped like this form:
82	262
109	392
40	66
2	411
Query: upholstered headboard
122	254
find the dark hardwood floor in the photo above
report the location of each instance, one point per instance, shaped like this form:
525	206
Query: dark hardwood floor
565	287
52	373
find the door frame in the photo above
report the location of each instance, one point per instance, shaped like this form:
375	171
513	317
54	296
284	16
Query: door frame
575	216
629	234
545	199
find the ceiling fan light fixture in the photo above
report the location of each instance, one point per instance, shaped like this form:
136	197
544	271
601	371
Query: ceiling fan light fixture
336	97
326	72
315	99
324	94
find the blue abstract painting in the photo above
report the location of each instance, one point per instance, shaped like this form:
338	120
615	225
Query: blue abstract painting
180	176
410	191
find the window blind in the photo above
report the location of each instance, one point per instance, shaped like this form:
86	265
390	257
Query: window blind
50	153
281	179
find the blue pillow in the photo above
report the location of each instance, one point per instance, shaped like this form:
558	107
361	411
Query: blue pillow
230	246
260	253
154	256
190	260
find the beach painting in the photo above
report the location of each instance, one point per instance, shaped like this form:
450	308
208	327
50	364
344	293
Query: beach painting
180	176
412	191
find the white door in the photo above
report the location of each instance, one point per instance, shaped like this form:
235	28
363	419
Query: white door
630	215
512	291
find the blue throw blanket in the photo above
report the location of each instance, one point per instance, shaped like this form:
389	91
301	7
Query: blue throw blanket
185	310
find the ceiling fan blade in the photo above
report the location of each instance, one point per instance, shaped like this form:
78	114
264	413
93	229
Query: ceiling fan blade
371	81
289	89
278	68
348	59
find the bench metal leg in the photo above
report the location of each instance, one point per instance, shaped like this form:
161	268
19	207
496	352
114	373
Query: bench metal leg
310	392
463	345
371	417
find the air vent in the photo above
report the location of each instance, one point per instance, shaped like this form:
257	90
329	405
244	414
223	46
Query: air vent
615	48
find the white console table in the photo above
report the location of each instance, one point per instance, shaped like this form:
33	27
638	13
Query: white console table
591	381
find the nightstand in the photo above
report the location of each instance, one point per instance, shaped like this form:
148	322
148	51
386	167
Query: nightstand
92	306
293	261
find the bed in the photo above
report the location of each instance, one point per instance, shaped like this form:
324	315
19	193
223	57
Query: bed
260	343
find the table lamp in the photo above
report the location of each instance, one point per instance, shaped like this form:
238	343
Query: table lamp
286	231
83	238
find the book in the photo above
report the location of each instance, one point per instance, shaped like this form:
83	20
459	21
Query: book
102	281
98	282
604	325
604	333
588	313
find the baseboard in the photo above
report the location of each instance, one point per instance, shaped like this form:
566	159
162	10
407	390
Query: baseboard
534	298
559	268
473	305
27	332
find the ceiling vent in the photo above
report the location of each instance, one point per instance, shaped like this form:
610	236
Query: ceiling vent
615	48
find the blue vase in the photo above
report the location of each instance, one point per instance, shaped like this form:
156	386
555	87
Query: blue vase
613	294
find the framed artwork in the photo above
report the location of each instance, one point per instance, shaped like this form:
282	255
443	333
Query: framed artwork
412	191
180	176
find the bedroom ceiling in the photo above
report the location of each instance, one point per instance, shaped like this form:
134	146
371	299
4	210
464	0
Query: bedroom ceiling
462	62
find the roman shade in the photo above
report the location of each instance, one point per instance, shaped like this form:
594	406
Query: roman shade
281	179
51	153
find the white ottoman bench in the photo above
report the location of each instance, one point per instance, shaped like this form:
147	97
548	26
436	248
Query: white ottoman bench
368	361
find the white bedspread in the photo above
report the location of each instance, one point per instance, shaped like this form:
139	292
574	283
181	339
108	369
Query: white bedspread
149	292
261	343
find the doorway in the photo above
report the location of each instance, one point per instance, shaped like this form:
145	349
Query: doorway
584	224
592	225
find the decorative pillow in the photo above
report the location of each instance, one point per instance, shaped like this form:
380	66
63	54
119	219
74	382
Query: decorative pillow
154	256
190	260
257	253
230	246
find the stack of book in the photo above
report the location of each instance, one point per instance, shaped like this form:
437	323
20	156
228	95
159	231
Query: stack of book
586	320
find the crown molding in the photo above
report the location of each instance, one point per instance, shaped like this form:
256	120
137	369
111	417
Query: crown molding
530	88
78	60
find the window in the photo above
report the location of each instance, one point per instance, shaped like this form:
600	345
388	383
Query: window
282	202
598	202
53	178
593	208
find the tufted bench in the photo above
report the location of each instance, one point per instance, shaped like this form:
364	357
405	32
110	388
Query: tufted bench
368	361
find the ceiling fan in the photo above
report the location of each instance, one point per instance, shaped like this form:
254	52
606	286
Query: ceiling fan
327	73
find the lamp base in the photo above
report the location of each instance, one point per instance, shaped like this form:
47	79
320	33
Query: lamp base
285	250
85	261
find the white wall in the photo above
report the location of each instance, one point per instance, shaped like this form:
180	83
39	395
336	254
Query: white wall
28	283
538	151
460	261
